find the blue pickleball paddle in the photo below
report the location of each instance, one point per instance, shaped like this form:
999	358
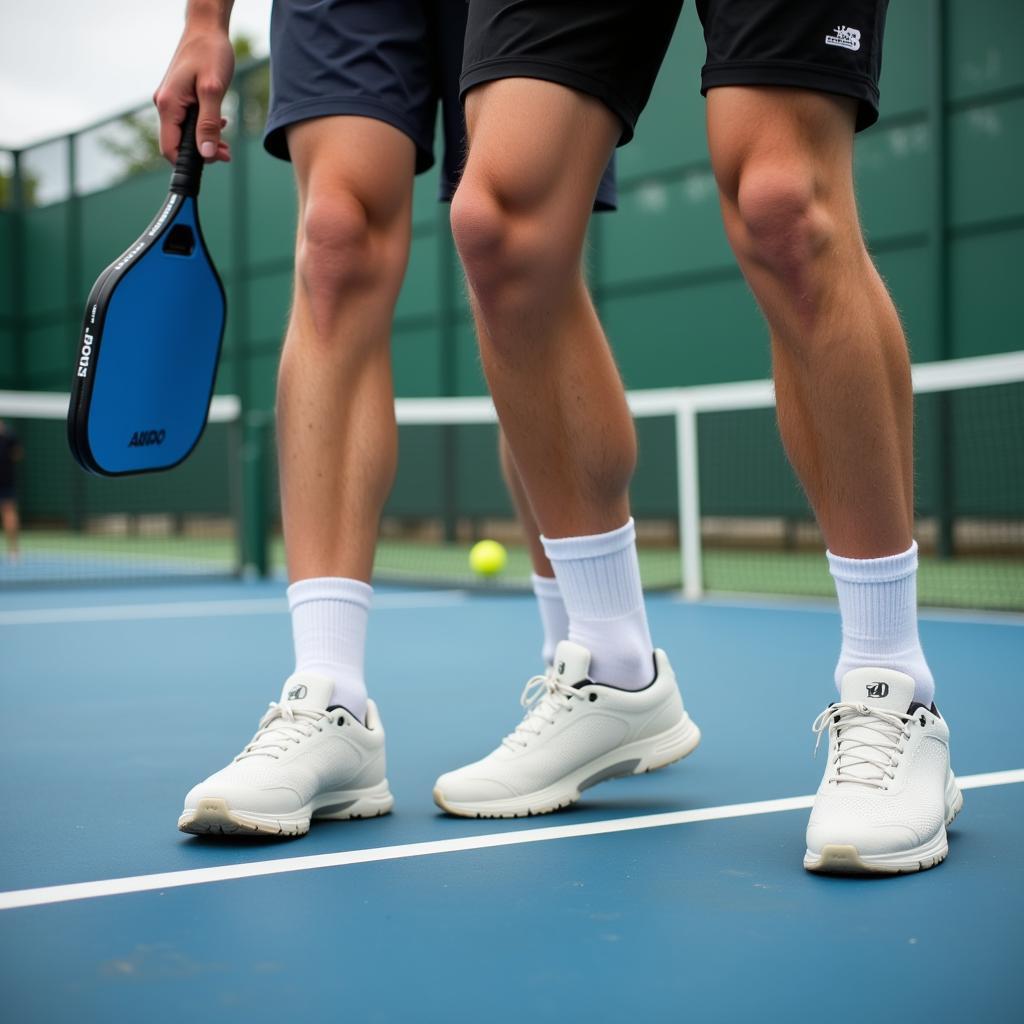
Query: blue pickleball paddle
151	339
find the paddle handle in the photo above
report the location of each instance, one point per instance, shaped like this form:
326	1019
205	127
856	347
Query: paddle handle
188	169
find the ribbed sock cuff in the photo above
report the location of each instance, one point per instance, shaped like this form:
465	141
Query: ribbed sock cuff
598	575
545	587
874	570
561	549
329	617
878	606
553	617
599	578
330	588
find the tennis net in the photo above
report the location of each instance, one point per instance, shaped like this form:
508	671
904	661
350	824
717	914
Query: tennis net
79	528
717	506
718	509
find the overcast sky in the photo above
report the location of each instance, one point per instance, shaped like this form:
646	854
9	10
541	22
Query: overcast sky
64	63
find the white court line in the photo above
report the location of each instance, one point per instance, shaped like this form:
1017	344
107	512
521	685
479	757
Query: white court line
254	869
828	606
427	599
206	609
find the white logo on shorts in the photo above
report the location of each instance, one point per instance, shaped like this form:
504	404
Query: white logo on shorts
848	38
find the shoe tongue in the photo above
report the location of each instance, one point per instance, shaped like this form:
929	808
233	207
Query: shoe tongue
882	688
572	663
307	690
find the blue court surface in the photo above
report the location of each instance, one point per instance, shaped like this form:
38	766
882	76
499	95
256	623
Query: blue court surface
676	896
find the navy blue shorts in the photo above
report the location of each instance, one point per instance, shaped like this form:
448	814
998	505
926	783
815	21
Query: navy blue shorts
393	60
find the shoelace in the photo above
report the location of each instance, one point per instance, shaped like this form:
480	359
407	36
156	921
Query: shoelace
877	755
280	726
543	697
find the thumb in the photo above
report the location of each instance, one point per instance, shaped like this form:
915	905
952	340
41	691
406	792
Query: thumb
210	92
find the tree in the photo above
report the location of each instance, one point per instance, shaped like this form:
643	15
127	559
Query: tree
29	184
138	150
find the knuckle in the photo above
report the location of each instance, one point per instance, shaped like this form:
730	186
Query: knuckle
210	88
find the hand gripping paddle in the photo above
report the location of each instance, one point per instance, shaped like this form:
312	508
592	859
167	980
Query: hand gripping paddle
151	340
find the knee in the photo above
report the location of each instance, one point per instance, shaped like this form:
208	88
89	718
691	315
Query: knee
340	254
511	259
480	228
784	225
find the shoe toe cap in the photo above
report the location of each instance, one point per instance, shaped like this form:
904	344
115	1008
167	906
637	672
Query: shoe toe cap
469	785
868	838
241	797
874	822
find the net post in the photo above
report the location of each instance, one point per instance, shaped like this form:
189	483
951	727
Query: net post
255	442
688	482
945	510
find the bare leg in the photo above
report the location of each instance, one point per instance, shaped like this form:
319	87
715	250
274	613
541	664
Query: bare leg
336	425
9	514
783	160
521	501
554	618
519	217
537	151
784	163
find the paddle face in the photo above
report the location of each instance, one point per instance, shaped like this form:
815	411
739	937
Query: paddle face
150	343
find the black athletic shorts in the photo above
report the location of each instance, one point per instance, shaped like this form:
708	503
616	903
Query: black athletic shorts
613	49
393	60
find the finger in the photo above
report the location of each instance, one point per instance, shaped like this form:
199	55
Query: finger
211	92
172	113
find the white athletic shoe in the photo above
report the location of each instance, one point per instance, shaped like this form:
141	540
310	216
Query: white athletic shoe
306	761
888	792
575	733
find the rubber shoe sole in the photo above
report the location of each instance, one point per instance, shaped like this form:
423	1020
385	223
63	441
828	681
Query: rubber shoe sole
636	758
213	816
837	859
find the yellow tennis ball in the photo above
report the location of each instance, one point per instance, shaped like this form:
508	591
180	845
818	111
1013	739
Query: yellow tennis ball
487	557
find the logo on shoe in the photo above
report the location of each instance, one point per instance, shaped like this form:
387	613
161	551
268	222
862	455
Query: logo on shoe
847	38
561	668
878	689
297	692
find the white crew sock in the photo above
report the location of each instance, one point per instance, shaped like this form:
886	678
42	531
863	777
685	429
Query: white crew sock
553	616
329	615
599	577
878	605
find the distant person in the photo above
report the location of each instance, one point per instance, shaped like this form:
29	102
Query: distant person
10	453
